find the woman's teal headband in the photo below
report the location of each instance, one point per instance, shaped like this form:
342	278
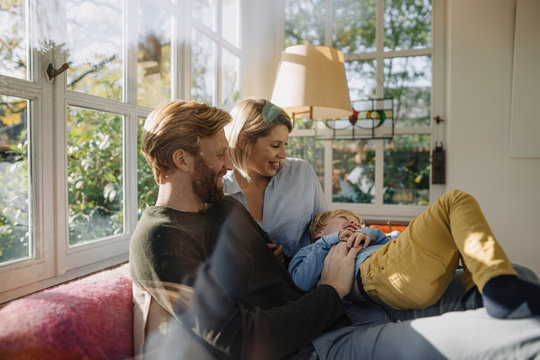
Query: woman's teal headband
271	112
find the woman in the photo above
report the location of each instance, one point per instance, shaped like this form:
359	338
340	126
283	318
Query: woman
281	194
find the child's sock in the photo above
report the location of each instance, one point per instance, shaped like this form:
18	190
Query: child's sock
509	297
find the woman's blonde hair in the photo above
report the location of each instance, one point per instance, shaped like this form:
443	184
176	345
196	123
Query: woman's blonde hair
321	220
178	125
254	118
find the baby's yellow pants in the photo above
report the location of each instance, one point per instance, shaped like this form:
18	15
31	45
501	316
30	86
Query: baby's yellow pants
414	270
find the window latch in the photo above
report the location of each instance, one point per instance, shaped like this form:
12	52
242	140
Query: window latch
52	72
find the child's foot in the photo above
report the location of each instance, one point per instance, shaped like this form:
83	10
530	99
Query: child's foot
509	297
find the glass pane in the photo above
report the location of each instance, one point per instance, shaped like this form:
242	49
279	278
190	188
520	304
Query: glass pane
305	22
354	26
407	24
408	81
231	79
13	39
204	11
15	192
361	78
154	55
230	21
95	174
309	149
406	170
353	171
147	187
203	74
94	47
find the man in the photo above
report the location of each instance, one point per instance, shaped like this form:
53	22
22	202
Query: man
185	145
244	304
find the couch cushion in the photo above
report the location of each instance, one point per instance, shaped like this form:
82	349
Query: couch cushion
85	319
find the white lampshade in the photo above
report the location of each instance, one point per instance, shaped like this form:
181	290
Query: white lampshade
312	78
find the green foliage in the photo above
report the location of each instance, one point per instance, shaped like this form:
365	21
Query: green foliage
354	26
349	157
406	168
95	174
147	187
305	22
309	149
14	226
103	78
407	24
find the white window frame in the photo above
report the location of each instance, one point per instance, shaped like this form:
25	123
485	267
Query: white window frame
55	261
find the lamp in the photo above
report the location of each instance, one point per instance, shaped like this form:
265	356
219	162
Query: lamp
311	79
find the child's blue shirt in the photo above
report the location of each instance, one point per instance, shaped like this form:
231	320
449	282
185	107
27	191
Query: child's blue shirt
306	266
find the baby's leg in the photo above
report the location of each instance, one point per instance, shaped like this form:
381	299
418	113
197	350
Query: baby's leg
414	270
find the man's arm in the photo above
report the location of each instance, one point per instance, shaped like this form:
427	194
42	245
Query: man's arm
247	306
230	330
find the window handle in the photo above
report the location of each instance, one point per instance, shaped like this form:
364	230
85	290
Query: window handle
52	72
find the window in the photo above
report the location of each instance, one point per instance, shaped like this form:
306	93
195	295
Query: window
389	52
74	181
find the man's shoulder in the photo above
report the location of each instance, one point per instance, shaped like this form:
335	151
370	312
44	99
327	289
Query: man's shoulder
232	202
159	223
228	205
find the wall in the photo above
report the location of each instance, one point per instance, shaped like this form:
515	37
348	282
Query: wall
480	42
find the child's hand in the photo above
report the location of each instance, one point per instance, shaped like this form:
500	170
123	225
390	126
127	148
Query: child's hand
354	239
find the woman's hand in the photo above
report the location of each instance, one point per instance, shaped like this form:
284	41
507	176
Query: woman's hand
354	239
278	252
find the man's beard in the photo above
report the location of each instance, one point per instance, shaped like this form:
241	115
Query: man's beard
203	182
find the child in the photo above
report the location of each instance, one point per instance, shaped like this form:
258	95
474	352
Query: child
414	270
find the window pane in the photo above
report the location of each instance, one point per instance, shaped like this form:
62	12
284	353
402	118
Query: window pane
407	24
147	187
231	79
406	170
94	47
354	25
408	81
203	79
305	22
204	11
154	55
15	192
230	21
309	149
361	78
13	39
353	171
95	174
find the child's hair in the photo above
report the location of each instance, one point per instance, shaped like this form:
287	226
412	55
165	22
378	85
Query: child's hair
321	220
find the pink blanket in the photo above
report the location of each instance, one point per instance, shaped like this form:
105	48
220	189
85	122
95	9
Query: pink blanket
78	320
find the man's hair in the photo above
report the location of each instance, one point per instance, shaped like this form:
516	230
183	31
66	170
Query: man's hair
321	220
255	118
178	125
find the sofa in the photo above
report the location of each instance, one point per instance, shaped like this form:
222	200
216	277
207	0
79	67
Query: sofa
93	318
89	318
